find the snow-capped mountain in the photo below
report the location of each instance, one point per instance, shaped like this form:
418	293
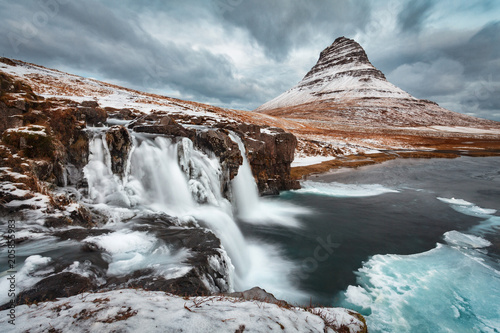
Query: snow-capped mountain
342	71
345	88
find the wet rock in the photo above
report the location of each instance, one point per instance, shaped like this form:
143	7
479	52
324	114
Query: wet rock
119	143
93	114
204	278
59	285
219	143
270	153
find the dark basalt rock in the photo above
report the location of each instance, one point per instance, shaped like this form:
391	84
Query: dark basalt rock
119	143
173	130
59	285
92	113
270	153
202	244
219	142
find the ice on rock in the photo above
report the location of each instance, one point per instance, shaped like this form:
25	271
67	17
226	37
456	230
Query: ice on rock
134	250
341	190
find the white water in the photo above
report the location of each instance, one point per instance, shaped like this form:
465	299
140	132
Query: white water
181	181
454	287
341	190
250	208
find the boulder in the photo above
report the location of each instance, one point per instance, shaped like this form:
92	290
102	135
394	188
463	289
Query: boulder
92	113
59	285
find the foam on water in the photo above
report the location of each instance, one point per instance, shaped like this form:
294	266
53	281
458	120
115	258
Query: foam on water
488	226
451	288
268	269
342	190
443	290
468	208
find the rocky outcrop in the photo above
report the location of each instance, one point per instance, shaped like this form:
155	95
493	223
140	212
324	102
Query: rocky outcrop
56	286
13	105
270	152
219	142
271	162
204	247
119	144
44	146
92	113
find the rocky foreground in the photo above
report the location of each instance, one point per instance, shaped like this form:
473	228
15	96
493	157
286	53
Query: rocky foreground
129	310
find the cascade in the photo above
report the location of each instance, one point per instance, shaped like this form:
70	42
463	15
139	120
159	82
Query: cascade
245	192
250	207
174	178
169	177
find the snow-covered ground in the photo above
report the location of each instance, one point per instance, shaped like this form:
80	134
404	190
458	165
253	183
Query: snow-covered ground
51	83
456	129
130	310
310	160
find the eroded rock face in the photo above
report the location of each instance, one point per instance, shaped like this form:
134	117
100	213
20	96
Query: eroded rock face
270	153
92	113
219	142
119	143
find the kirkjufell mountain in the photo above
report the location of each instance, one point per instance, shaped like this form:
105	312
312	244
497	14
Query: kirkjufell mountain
345	88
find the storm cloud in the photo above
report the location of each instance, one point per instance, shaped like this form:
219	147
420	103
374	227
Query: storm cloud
241	53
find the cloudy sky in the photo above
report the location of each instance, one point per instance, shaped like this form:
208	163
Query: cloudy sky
242	53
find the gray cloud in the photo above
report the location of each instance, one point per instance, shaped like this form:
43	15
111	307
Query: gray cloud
279	26
241	53
463	75
93	38
412	17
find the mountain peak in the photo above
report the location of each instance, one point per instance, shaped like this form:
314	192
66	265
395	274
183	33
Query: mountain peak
343	87
344	57
342	71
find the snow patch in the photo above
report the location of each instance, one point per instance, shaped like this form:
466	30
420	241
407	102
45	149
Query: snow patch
131	310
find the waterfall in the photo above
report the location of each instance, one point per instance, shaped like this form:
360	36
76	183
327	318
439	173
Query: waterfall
169	177
174	178
245	191
250	208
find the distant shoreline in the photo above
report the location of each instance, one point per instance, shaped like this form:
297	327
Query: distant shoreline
359	160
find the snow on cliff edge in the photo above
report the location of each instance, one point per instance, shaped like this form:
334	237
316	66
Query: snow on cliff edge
130	310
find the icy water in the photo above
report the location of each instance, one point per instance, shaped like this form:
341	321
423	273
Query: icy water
414	245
